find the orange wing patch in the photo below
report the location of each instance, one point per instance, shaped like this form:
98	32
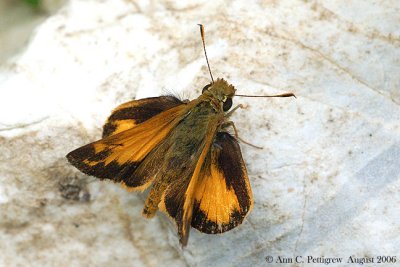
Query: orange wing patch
116	157
130	114
223	195
214	198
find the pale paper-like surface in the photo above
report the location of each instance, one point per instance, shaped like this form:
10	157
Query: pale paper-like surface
325	184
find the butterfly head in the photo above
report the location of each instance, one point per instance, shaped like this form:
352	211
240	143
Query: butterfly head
220	91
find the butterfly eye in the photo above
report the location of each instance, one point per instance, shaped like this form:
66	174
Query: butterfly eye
227	104
205	88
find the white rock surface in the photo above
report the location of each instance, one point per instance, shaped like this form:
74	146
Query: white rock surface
326	183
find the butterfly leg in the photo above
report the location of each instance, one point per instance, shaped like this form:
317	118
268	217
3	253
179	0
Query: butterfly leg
153	199
230	123
233	110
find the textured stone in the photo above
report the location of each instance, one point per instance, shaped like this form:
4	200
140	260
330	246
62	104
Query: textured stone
325	184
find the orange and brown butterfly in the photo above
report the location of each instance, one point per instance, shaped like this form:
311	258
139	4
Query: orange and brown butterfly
182	149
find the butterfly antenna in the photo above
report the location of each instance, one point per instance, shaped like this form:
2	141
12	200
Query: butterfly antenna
205	51
280	95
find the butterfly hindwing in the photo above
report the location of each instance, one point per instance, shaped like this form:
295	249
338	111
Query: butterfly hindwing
217	198
117	156
223	195
132	113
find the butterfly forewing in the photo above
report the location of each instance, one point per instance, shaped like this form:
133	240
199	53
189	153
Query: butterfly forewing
117	156
186	160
